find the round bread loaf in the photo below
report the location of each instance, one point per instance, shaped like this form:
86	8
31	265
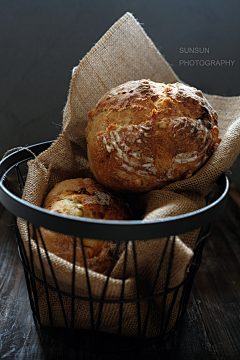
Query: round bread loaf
83	198
143	135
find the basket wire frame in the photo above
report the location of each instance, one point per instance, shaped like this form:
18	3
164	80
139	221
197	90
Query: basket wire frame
95	338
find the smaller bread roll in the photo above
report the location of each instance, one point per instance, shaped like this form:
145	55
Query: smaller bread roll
83	198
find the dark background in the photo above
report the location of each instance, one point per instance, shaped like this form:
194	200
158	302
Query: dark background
41	41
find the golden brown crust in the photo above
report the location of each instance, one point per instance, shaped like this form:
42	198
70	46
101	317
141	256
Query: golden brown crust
143	135
83	198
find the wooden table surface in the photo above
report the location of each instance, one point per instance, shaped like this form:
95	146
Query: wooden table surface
209	330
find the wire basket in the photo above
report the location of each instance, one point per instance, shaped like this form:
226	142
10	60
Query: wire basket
95	335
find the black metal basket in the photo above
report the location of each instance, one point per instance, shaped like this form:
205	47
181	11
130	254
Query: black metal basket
13	171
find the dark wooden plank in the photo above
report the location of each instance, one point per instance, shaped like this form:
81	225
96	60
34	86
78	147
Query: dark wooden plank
217	291
17	331
190	341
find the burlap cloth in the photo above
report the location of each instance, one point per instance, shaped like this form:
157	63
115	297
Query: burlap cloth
124	53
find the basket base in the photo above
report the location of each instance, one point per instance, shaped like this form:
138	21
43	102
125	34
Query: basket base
83	344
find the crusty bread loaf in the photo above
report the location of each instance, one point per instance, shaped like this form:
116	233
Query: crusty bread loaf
83	198
143	135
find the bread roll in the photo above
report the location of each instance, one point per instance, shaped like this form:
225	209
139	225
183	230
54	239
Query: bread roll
143	135
83	198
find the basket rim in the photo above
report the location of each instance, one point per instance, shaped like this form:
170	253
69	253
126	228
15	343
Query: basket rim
103	229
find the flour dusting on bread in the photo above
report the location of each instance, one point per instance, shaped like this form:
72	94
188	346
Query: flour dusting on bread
143	135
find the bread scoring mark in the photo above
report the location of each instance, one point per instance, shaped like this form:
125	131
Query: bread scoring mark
131	159
205	134
118	139
153	170
120	146
129	168
146	127
194	127
177	123
114	143
142	173
149	159
183	93
150	166
170	173
143	128
108	147
126	148
184	158
136	154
